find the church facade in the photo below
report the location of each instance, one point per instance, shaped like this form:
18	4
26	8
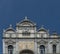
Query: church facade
26	39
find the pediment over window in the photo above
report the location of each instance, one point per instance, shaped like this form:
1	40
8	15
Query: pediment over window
10	42
42	42
54	42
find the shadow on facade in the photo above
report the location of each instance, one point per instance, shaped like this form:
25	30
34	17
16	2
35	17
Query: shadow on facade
26	51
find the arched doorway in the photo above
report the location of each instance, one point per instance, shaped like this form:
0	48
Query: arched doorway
42	49
26	51
10	49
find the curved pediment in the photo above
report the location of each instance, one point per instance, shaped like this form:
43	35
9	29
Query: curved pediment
26	22
9	30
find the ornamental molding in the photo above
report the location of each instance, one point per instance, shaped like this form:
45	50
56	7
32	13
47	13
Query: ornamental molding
10	41
42	42
54	42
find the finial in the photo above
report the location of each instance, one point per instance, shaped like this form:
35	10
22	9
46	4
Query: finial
10	25
55	33
3	30
48	30
42	26
25	17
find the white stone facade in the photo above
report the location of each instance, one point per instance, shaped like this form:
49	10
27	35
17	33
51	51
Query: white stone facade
26	37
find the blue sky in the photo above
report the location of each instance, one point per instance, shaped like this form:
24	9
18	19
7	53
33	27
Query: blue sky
42	12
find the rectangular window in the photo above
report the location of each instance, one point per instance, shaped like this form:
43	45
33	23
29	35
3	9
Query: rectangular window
26	33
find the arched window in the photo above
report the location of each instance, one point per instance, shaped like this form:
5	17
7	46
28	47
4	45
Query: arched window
10	49
42	49
54	48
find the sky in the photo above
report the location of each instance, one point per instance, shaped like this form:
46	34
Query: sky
42	12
